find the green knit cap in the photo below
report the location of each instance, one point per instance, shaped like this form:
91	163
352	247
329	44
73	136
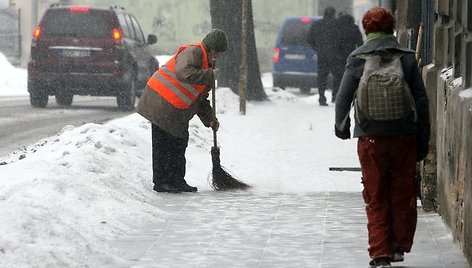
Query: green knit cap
216	40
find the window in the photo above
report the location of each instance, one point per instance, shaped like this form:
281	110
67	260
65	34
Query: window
77	24
124	26
132	34
138	31
295	33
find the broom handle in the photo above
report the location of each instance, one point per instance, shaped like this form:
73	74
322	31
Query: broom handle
213	100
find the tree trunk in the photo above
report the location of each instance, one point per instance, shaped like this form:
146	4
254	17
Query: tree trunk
227	16
243	66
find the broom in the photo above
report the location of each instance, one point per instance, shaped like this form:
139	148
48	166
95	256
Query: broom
221	180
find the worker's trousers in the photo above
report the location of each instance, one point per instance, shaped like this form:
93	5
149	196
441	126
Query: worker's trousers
168	157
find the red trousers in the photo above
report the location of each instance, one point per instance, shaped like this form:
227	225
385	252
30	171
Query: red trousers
388	168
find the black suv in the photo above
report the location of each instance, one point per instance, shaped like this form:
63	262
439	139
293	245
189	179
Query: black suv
81	50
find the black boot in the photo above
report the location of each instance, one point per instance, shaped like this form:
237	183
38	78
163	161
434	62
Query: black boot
165	188
381	262
184	187
322	100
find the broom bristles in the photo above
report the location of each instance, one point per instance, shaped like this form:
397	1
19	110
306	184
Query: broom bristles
222	180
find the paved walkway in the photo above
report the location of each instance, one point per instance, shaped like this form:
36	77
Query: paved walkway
248	229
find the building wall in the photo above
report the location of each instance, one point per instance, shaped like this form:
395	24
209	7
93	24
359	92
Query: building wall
448	80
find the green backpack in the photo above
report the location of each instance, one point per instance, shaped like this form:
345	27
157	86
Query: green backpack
383	94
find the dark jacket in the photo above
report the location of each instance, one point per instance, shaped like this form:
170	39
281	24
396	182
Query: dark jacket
350	38
322	37
350	82
163	114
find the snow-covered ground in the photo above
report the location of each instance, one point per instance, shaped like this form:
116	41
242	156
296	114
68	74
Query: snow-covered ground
63	197
12	80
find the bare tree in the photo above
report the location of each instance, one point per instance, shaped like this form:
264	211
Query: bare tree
227	16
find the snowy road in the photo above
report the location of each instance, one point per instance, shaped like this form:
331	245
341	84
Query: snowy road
21	124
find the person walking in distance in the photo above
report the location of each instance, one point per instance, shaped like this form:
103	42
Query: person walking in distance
392	136
350	38
173	95
323	38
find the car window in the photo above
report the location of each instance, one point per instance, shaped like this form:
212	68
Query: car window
124	26
132	33
137	30
77	24
295	33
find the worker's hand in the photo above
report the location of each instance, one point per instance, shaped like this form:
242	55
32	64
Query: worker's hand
215	125
216	73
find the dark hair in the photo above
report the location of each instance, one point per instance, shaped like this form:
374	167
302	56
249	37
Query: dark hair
329	12
346	17
378	19
342	13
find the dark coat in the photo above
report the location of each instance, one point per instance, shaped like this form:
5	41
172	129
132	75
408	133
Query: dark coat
350	38
350	82
169	118
322	37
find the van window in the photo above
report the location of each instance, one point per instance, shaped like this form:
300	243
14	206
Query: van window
77	24
295	33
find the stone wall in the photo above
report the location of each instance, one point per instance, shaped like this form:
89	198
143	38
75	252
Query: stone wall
449	83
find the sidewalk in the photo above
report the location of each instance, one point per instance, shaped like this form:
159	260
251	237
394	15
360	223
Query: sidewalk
249	229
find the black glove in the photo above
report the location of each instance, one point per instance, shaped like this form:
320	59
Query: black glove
422	150
344	133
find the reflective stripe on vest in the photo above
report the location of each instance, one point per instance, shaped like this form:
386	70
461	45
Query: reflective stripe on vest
164	81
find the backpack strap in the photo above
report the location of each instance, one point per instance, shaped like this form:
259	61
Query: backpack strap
344	121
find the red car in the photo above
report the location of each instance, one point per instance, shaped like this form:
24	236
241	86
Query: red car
81	50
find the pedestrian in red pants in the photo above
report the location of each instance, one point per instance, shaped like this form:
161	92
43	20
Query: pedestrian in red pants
392	124
388	170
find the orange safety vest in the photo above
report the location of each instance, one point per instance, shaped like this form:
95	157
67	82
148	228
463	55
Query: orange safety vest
180	94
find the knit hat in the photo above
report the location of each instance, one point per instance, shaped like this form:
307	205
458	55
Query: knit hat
216	40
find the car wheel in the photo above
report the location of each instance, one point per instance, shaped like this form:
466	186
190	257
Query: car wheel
126	97
64	98
38	95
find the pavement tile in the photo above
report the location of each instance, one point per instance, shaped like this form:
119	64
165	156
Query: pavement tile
249	229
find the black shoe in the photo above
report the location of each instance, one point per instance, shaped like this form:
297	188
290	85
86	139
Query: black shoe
398	256
322	100
381	262
166	188
184	187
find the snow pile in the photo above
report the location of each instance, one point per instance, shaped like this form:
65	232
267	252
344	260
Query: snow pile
71	192
13	80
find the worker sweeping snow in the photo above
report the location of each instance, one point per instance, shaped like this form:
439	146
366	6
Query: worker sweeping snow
173	95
